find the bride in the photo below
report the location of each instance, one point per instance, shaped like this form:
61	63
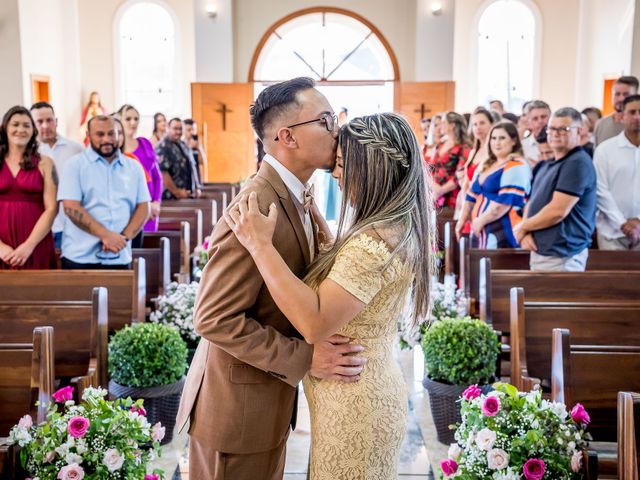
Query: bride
357	289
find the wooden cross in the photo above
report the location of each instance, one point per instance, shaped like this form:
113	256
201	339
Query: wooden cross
224	110
423	110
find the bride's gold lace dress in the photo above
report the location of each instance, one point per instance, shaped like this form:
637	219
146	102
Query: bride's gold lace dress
357	428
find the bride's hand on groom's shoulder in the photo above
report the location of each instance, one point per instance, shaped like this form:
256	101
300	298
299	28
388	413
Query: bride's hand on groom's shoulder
253	229
336	359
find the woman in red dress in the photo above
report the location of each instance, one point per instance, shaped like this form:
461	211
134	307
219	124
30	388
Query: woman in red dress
28	188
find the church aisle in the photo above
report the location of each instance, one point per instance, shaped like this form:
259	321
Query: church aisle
415	457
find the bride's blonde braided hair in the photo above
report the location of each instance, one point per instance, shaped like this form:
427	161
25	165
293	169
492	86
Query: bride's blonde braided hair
368	131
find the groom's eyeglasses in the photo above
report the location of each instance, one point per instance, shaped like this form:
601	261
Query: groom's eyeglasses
330	122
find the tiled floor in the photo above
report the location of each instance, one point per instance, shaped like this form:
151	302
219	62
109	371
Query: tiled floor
420	448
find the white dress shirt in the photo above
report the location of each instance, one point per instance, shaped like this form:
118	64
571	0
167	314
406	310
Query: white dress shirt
617	163
61	151
530	150
296	189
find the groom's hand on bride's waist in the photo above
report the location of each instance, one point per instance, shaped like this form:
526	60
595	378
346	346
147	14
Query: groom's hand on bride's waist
337	359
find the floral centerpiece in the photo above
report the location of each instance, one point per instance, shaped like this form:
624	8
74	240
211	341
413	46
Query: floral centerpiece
509	435
200	258
95	439
175	309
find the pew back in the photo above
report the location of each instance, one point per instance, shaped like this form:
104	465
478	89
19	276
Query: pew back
209	207
172	218
158	267
628	435
179	258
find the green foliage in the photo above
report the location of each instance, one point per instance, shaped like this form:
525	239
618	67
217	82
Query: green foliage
460	351
147	355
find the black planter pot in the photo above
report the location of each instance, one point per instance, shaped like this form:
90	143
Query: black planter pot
445	409
161	403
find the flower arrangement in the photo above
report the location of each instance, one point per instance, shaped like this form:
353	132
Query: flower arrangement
201	253
175	309
147	355
509	435
96	439
446	301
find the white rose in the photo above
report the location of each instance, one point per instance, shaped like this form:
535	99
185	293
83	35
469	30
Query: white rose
113	460
485	439
26	422
497	459
73	458
576	461
455	451
157	432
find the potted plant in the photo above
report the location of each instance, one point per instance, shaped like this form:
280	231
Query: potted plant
148	361
457	352
175	309
507	434
95	439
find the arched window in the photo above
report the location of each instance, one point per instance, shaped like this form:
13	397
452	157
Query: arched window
146	58
506	53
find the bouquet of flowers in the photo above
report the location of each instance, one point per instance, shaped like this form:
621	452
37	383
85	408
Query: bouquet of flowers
446	301
96	439
508	435
201	254
175	309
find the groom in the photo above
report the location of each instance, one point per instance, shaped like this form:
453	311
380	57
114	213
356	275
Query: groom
241	390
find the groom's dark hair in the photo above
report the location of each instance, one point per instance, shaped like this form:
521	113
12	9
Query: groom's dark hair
275	100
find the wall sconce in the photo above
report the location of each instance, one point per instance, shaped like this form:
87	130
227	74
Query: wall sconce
211	10
436	8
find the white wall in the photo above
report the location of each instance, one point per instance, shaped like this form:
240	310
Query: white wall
97	49
606	37
434	41
214	41
10	56
49	39
635	49
395	19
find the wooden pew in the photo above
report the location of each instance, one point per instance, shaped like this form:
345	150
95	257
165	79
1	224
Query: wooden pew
593	376
127	289
592	323
172	218
221	196
517	259
81	333
209	207
158	267
628	435
179	257
495	286
26	377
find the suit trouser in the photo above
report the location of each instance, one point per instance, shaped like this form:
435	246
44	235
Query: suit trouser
206	463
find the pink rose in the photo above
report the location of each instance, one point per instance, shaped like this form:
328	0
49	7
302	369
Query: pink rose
157	432
50	457
64	394
26	422
580	415
151	476
471	392
78	427
71	472
449	467
139	410
576	461
491	406
533	469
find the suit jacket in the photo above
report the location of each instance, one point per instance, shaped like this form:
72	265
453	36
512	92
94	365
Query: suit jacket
241	389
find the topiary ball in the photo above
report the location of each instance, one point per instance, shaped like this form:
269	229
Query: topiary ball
460	351
147	355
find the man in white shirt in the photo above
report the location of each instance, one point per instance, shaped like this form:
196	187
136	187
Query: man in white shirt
611	125
537	113
617	163
53	145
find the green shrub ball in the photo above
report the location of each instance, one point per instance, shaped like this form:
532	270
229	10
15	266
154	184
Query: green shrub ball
147	355
460	351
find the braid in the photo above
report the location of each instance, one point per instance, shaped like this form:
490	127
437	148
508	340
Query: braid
368	131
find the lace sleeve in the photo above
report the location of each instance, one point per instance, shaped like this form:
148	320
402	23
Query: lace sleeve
359	267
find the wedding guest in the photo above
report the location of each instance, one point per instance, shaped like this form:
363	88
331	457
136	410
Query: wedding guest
106	199
453	153
616	163
190	138
146	155
434	137
159	129
497	106
612	125
28	186
560	214
585	136
91	109
177	164
594	114
498	192
55	146
538	113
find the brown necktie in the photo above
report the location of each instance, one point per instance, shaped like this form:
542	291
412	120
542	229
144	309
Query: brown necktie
308	198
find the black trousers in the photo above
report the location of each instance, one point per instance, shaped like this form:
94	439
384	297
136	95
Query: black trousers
69	265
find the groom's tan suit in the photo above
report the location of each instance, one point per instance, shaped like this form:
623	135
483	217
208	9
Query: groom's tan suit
241	389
